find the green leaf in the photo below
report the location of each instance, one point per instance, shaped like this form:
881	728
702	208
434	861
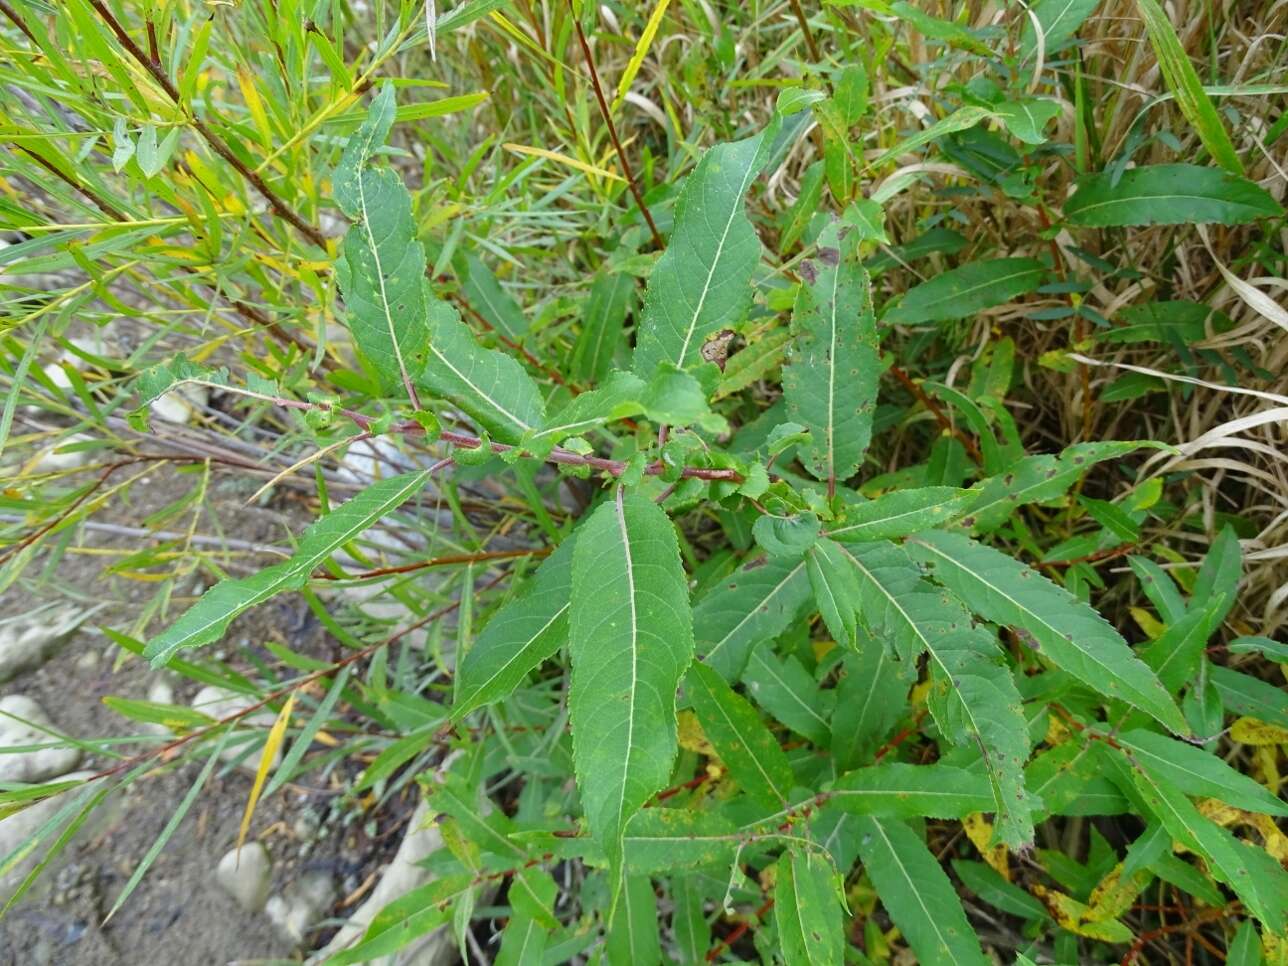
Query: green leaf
830	380
1175	655
1027	117
1167	194
1186	87
1059	20
909	791
155	382
1245	695
786	538
757	603
1068	632
806	909
871	697
207	619
786	690
688	920
631	639
901	513
973	696
1197	772
836	591
381	271
917	894
487	383
702	282
739	737
633	936
987	884
486	296
602	325
662	840
522	634
806	206
967	289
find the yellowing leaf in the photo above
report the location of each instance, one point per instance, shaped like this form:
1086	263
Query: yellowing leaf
691	736
562	159
271	747
1077	917
1147	622
641	51
1115	895
1250	731
980	831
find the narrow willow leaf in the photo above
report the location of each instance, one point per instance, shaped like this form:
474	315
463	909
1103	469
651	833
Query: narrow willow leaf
756	604
688	920
1197	772
1254	875
631	639
787	691
902	513
702	282
806	909
1186	87
830	380
917	894
1175	655
805	208
970	288
633	936
1058	20
381	271
602	325
871	697
1068	632
1168	194
1243	694
986	883
1036	479
487	383
486	296
754	759
207	619
836	591
909	791
973	695
522	634
523	940
272	744
155	382
662	840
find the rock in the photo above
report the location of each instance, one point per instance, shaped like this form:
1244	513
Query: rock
302	905
245	874
15	829
219	703
24	722
404	873
51	460
180	405
306	825
25	648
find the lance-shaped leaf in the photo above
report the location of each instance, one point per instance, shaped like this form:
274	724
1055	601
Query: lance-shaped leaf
836	591
902	513
871	697
970	288
633	933
756	761
702	282
806	909
973	696
1068	632
381	270
1168	194
487	383
631	639
756	603
1198	772
520	635
917	894
602	324
207	619
909	791
830	382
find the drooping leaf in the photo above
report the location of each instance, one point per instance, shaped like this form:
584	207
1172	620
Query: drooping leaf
633	936
901	513
909	791
207	619
381	271
917	894
836	591
740	738
755	604
487	383
155	382
522	634
1244	694
830	380
1027	117
871	697
973	695
1066	631
702	282
1168	194
806	909
631	639
967	289
602	325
